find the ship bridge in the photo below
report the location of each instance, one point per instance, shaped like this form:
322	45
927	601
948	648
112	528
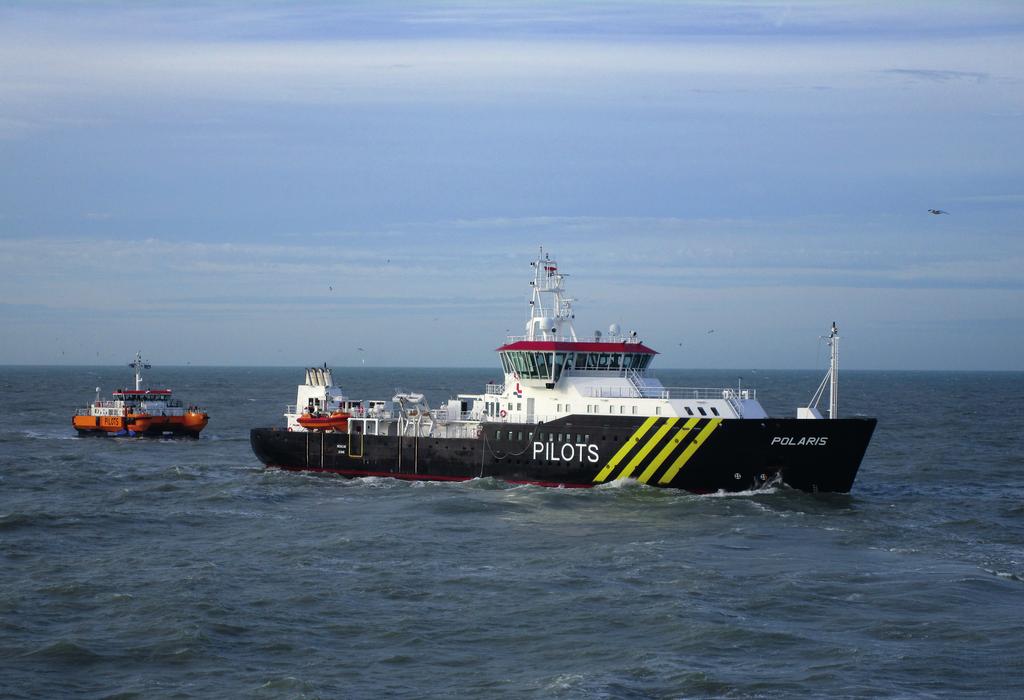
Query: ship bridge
550	347
547	360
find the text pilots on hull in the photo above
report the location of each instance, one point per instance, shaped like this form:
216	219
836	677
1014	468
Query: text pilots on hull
572	412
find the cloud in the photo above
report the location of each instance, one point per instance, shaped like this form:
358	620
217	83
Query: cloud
991	199
938	76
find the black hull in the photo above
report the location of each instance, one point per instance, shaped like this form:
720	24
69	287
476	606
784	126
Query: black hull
698	455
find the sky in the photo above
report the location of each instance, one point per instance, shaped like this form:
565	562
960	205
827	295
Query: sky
284	183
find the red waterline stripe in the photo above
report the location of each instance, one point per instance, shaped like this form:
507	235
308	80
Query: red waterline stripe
427	477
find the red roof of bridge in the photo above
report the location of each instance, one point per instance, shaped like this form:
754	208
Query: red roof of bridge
578	346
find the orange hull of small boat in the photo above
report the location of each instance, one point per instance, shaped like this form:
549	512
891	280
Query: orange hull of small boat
191	423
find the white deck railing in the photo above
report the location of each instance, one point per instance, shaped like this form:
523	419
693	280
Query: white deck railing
668	392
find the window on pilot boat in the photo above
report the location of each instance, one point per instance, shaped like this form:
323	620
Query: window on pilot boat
558	408
497	435
520	435
611	409
592	360
634	410
689	411
714	410
614	361
544	364
581	360
700	410
567	409
657	410
560	364
588	408
602	362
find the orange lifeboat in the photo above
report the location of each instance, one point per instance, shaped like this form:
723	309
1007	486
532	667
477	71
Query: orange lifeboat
338	420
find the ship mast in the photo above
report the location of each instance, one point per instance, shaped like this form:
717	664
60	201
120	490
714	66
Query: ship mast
550	312
833	372
138	365
831	377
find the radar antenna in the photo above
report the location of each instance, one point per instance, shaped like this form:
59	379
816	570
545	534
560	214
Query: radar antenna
550	310
138	365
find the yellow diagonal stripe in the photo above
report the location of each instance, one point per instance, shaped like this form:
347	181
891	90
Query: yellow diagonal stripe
682	459
642	454
624	450
667	450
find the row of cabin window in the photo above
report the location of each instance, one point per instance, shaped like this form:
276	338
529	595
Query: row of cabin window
550	437
595	408
549	365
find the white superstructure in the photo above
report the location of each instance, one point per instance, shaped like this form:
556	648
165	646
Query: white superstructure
550	372
318	395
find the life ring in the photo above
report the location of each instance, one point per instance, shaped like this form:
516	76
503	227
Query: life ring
503	413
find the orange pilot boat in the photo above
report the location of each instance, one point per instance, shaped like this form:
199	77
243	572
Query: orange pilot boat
138	411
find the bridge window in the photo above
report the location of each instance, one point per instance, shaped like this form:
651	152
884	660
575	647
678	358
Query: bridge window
543	364
614	362
559	362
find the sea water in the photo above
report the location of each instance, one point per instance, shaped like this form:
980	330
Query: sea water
183	569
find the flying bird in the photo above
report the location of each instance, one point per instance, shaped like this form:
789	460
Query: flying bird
936	212
711	331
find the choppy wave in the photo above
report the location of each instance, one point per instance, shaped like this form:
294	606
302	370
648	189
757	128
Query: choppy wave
140	568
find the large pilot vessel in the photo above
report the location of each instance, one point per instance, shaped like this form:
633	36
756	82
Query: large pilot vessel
574	412
141	412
